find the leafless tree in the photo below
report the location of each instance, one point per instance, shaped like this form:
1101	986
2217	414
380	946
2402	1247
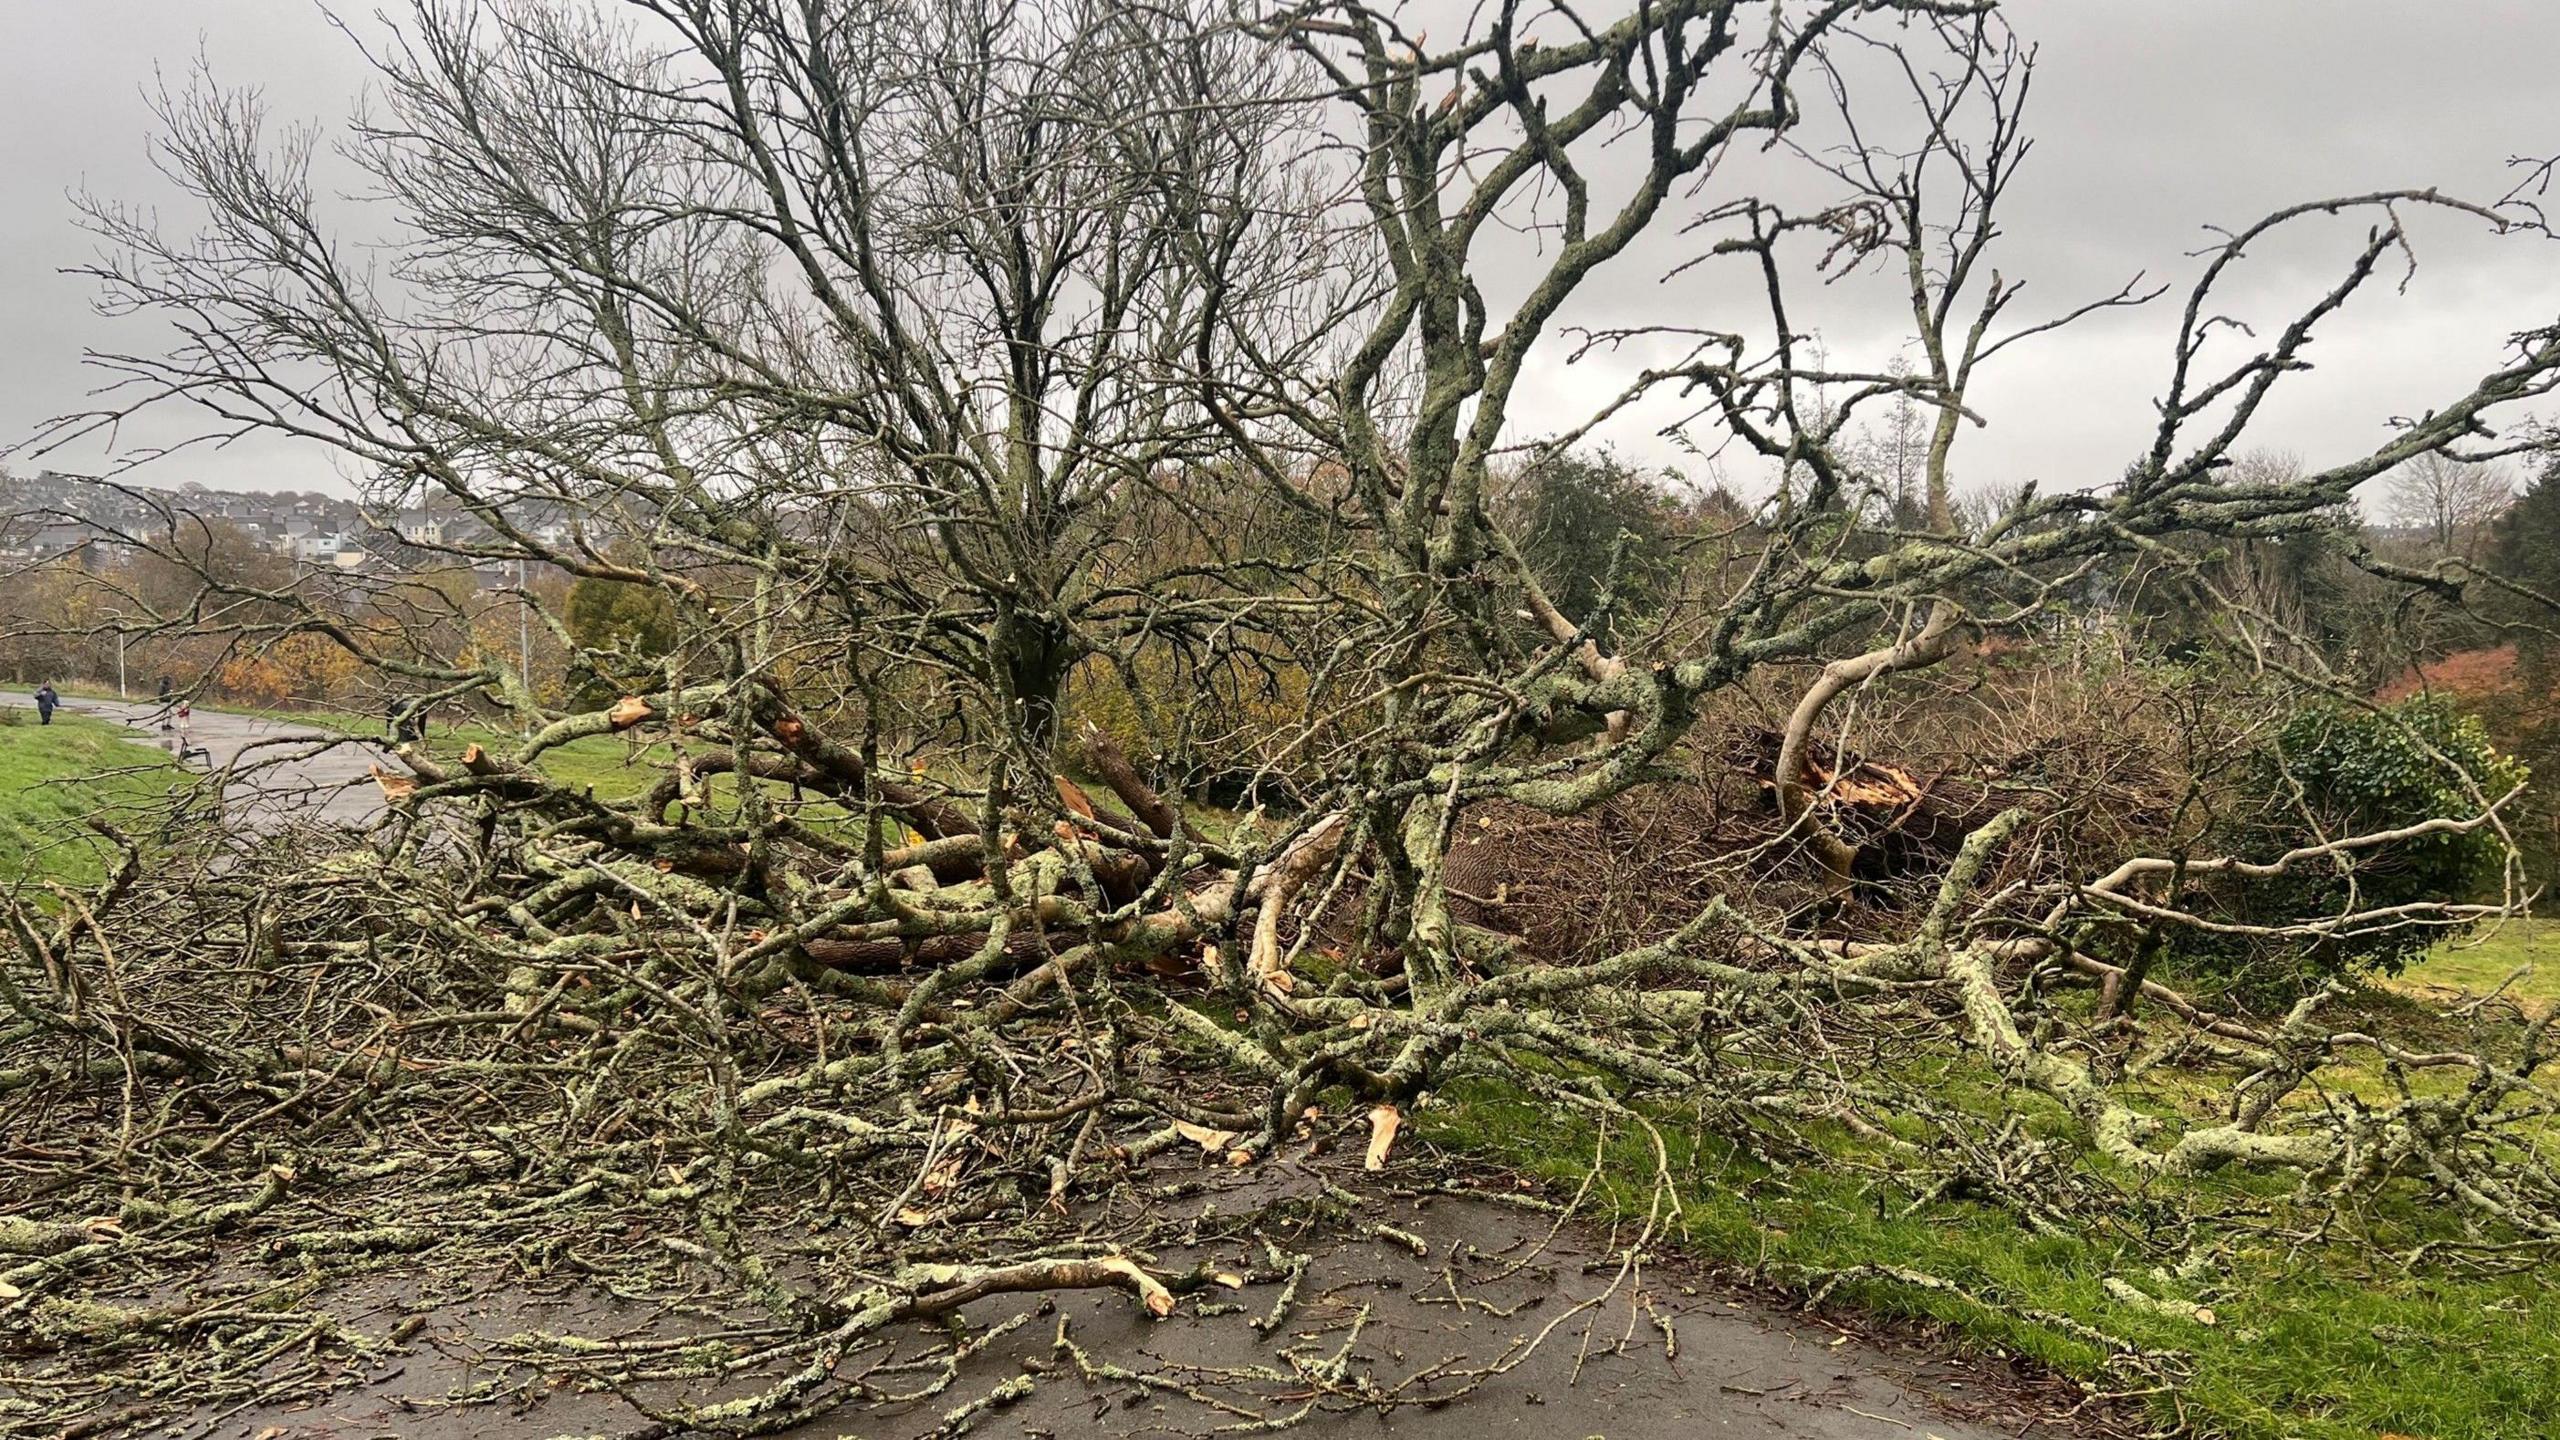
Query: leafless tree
1894	450
2448	499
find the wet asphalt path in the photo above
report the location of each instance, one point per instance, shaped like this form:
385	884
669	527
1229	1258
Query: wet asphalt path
283	773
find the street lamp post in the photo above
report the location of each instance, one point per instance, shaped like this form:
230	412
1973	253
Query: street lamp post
524	628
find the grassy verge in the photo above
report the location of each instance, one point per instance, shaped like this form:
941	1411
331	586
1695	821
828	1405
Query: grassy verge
2490	960
2314	1332
54	777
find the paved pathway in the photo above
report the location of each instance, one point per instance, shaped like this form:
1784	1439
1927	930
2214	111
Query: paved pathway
291	772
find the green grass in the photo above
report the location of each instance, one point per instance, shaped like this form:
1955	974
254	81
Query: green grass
2483	962
2315	1339
54	777
2318	1334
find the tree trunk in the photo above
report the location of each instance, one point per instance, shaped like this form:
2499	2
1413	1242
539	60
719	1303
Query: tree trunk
1036	656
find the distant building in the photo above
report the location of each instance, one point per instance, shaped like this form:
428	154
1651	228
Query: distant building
52	513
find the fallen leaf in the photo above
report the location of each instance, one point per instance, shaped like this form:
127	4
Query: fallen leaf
1384	1121
1230	1279
1207	1139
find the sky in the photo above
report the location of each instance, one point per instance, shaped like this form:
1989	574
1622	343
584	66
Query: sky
2155	119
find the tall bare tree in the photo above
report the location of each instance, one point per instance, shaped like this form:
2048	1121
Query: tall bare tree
2449	500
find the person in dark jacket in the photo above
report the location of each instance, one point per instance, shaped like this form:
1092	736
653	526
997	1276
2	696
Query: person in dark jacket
46	703
404	725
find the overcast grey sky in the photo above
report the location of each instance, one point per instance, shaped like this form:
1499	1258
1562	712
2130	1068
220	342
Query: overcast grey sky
2154	118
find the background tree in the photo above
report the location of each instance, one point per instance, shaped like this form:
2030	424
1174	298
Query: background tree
620	626
1591	523
2450	501
1894	448
2524	549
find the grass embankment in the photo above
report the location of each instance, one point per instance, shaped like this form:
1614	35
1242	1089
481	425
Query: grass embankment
2317	1330
54	778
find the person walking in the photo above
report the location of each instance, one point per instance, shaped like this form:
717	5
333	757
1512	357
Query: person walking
188	749
46	703
165	705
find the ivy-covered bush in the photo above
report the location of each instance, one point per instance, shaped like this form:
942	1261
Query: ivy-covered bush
2335	770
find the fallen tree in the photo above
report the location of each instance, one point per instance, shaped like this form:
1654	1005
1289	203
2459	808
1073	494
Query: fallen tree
1167	345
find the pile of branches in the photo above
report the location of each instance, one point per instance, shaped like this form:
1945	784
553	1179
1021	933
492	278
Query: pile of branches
331	1052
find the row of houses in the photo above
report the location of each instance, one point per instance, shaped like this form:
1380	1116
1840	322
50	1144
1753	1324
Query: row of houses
53	514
